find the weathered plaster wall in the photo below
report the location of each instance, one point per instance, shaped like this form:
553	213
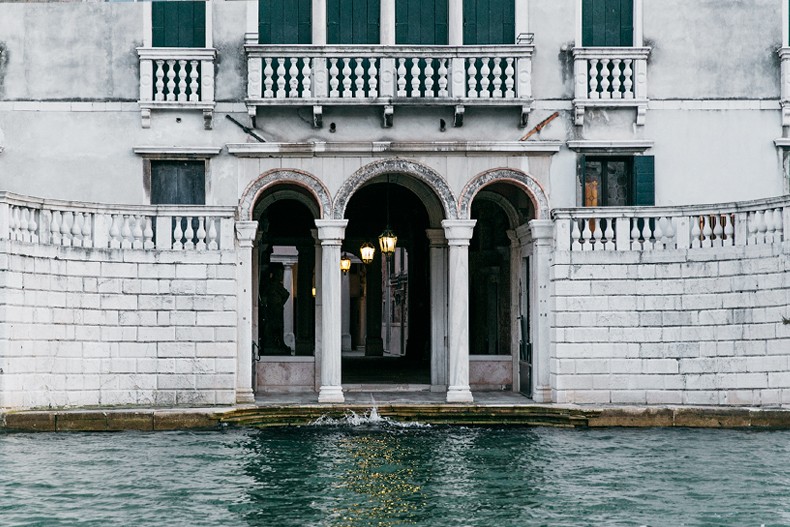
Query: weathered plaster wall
672	327
89	327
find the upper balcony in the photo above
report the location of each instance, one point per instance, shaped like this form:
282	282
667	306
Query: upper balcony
610	77
389	76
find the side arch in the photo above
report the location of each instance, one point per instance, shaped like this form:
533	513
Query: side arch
279	176
528	184
440	190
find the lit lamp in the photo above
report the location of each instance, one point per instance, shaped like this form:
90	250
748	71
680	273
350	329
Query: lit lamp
366	252
345	263
387	239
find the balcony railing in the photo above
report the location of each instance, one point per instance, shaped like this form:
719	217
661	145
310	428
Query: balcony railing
610	77
97	226
762	222
177	78
389	76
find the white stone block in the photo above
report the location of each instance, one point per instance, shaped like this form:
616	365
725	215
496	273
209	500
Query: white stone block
628	396
221	287
76	268
589	397
195	334
222	318
118	270
191	272
156	334
175	382
664	396
175	349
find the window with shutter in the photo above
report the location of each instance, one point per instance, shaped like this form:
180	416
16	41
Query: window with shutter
178	24
285	22
421	22
489	22
607	23
353	21
616	181
178	182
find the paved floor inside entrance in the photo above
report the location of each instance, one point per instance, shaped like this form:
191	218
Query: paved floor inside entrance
378	398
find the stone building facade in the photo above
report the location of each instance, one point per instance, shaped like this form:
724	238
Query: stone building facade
590	200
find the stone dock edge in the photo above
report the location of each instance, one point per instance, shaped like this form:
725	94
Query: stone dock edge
568	416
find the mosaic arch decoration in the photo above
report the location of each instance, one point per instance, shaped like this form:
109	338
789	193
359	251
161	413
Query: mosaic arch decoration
432	179
500	175
280	176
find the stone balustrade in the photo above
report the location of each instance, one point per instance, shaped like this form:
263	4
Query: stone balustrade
177	78
96	226
762	222
389	75
610	77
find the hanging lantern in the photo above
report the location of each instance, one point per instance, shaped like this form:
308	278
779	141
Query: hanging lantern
387	241
367	252
345	263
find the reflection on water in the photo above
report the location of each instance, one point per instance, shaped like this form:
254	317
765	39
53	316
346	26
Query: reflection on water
378	474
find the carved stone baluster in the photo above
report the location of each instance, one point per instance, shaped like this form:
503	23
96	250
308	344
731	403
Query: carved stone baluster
605	82
32	227
171	80
485	80
268	79
307	78
347	77
178	235
779	223
647	235
281	78
636	243
148	234
87	230
609	235
212	234
670	236
76	230
24	220
471	79
127	238
193	81
293	78
182	81
429	78
509	80
137	232
497	73
115	233
718	232
415	78
752	222
770	228
160	81
576	235
359	79
13	224
54	228
189	234
597	235
761	227
334	82
587	237
658	235
593	94
201	234
729	231
707	232
401	77
66	221
616	82
628	79
443	78
373	79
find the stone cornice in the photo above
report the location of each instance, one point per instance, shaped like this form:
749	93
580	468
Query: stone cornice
393	147
631	146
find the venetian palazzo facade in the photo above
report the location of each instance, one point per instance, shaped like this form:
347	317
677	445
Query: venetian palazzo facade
589	198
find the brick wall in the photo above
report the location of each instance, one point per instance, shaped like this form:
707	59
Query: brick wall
672	327
112	327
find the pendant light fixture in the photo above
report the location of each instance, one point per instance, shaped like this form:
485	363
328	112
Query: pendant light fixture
387	239
367	252
345	263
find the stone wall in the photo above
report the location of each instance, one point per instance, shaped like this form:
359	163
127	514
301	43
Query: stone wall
85	327
697	326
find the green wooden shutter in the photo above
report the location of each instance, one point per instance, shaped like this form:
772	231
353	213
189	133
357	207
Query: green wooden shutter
353	21
607	23
285	22
489	22
581	171
644	181
178	182
421	22
178	24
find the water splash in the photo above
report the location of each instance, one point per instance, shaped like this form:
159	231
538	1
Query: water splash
370	419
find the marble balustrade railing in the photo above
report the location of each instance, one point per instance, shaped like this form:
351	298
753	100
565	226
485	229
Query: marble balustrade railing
177	75
141	227
761	222
347	74
610	73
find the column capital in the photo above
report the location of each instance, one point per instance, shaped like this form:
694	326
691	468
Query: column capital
331	232
245	232
524	234
436	238
542	230
458	232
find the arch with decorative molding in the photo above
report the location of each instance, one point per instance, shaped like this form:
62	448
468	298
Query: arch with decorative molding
520	179
425	182
279	176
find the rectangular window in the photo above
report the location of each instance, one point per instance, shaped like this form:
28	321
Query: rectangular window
177	24
285	22
178	182
610	181
607	23
353	21
421	22
489	22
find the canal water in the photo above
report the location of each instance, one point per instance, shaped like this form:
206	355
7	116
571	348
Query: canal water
381	474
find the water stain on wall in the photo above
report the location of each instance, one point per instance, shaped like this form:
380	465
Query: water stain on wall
3	66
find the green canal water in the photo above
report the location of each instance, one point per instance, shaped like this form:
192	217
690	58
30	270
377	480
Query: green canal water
386	475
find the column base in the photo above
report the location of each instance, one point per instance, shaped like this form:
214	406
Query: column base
244	396
542	394
331	394
459	394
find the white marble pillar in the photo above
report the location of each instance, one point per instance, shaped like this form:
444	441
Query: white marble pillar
319	22
387	23
331	233
458	234
318	309
515	302
437	257
345	288
542	238
245	234
455	22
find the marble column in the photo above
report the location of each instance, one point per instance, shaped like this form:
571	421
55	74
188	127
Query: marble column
304	300
331	233
374	344
245	235
345	288
458	234
437	257
455	22
317	309
515	303
542	237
